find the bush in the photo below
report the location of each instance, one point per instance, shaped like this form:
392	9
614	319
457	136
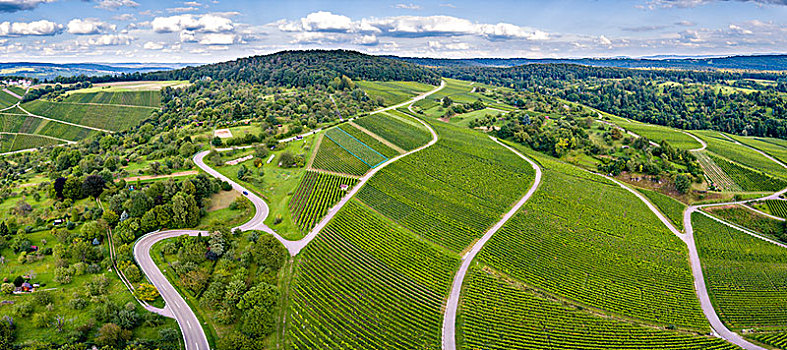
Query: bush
132	273
6	288
146	292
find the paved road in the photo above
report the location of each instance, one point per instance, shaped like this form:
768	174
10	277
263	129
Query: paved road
449	317
193	334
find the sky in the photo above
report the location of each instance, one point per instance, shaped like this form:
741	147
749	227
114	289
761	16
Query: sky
207	31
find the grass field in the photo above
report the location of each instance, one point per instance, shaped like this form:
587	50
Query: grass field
6	99
586	239
393	92
745	275
776	148
465	119
109	117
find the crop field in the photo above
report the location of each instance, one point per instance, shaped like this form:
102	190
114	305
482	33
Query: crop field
585	238
63	131
451	192
331	157
393	92
123	86
110	117
746	276
718	144
466	118
739	215
657	133
778	340
19	123
316	193
355	147
370	286
407	135
15	142
777	207
672	208
715	173
776	148
6	99
498	313
370	141
749	179
134	98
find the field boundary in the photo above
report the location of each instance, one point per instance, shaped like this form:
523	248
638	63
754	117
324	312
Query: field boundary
362	143
377	137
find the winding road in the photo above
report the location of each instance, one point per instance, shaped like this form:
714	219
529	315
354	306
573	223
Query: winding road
175	306
449	317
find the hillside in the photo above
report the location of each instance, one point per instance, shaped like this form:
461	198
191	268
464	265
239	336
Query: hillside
305	68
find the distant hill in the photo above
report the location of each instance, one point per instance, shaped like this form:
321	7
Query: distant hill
52	70
305	68
759	62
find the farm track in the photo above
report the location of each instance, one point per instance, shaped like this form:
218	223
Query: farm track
106	104
687	236
452	304
62	121
193	333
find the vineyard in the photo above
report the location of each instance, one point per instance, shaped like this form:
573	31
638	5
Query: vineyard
15	142
776	148
778	340
451	192
674	137
719	144
406	135
316	193
498	313
331	157
585	238
715	174
739	215
777	207
110	117
372	142
63	131
749	179
746	276
393	92
370	286
667	205
6	99
133	98
355	147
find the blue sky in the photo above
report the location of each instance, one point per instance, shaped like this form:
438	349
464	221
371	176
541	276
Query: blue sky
205	31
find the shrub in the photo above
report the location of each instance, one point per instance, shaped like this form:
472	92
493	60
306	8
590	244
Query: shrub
146	292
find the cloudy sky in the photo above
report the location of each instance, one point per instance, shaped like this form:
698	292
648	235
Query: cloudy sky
205	31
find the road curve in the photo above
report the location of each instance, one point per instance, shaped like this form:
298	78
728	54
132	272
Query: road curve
193	334
449	317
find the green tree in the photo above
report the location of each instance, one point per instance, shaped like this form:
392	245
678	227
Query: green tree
93	185
73	188
216	141
111	334
146	292
185	212
682	183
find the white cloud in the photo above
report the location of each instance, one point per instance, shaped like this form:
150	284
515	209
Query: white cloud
203	23
217	39
604	41
115	4
89	26
367	40
192	3
320	21
740	30
153	45
110	40
124	17
436	45
182	9
42	27
188	37
20	5
409	6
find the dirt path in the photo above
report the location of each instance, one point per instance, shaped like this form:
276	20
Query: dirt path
152	177
379	138
63	122
317	143
12	94
452	304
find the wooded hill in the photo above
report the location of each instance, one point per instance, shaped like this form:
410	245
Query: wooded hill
305	68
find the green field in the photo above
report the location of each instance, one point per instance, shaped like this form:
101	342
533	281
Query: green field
331	157
746	276
657	133
109	117
586	239
370	286
315	195
370	141
355	147
6	99
777	207
397	128
749	179
465	119
452	192
668	205
393	92
134	98
15	142
776	148
749	219
720	145
126	86
499	313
